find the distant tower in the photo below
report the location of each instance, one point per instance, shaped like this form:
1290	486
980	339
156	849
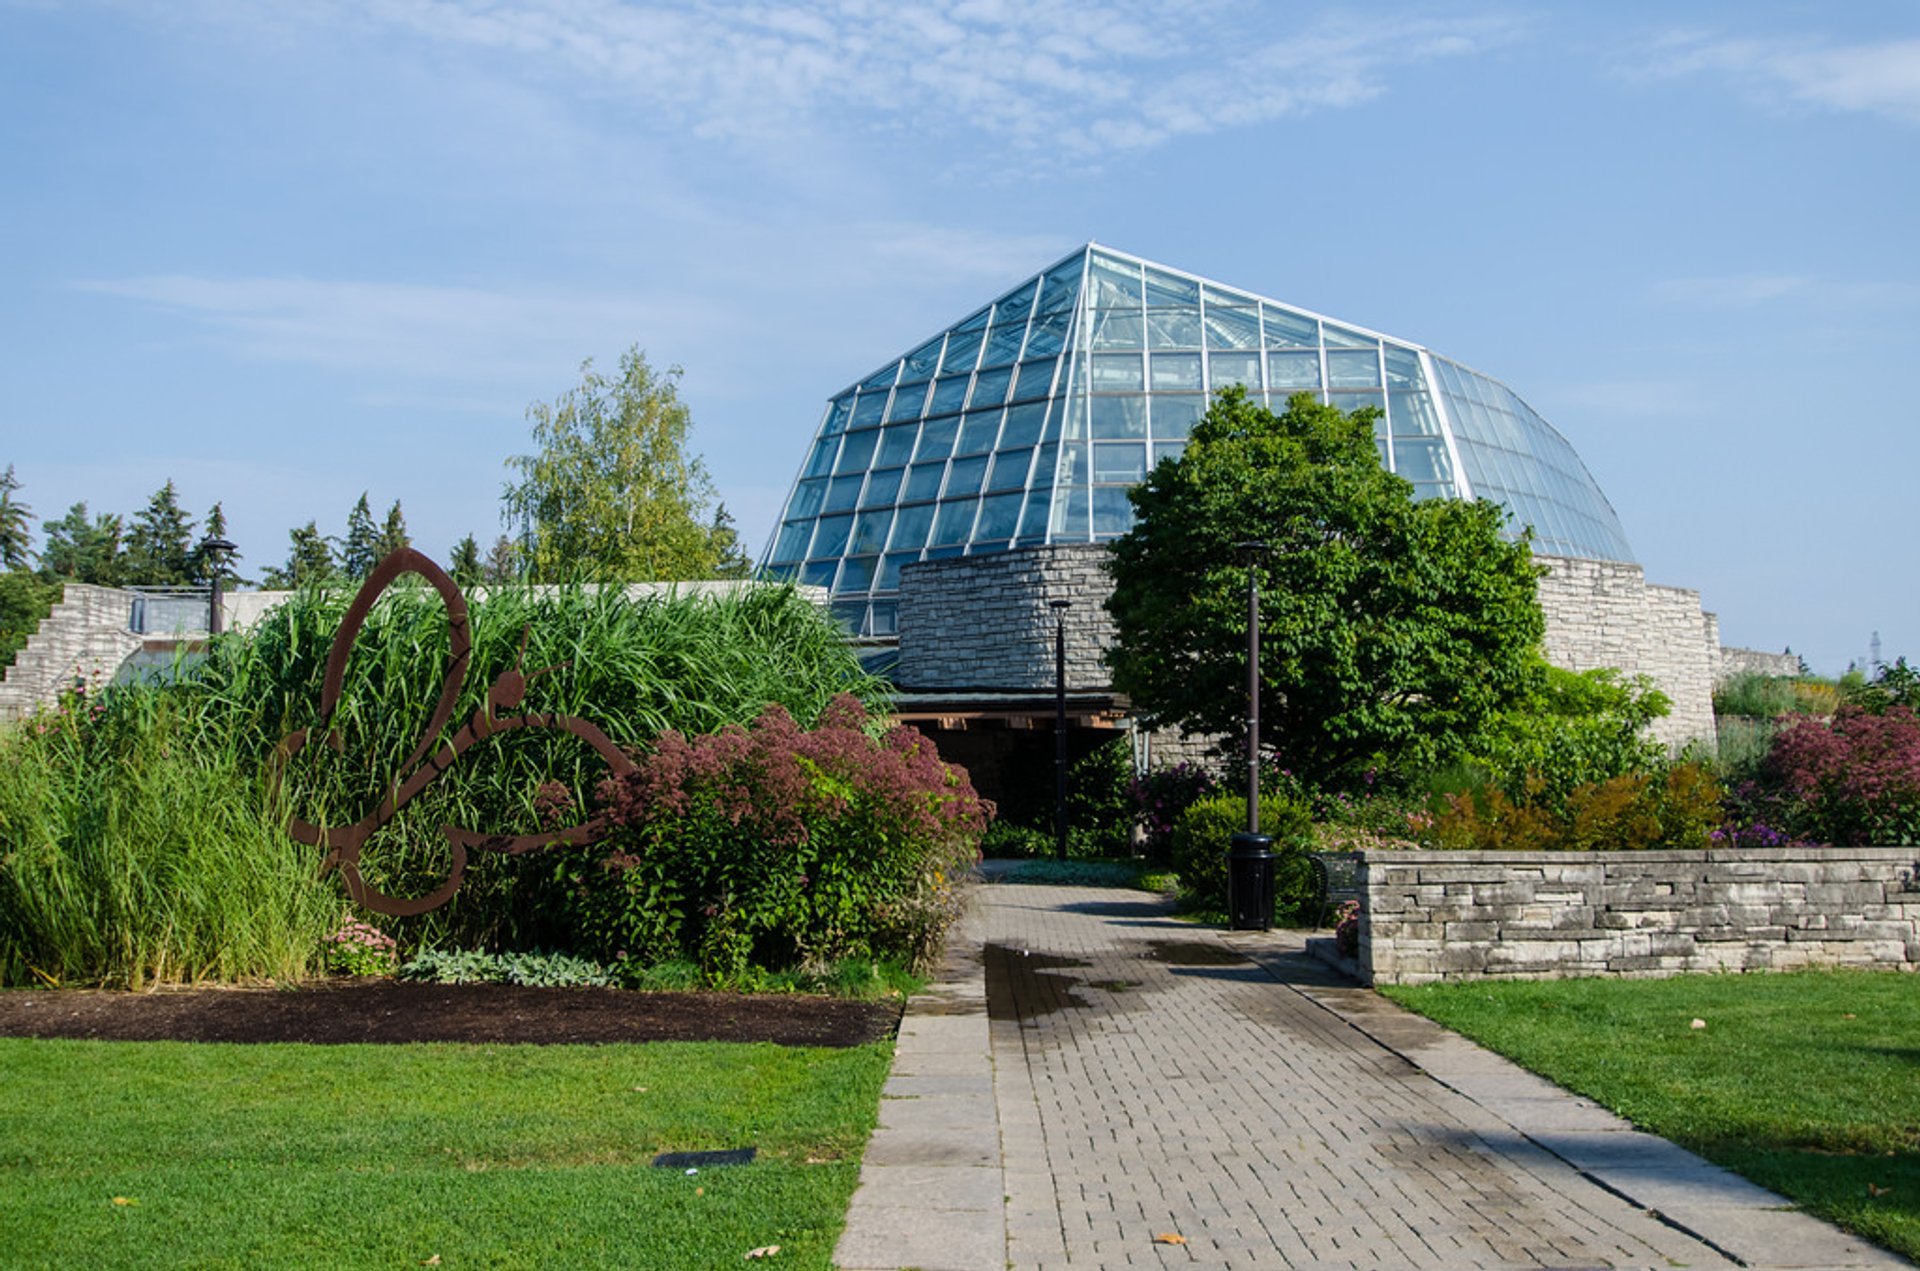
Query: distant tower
1874	664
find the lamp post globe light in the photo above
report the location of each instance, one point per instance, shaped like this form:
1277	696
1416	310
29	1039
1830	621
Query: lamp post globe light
1250	856
215	550
1060	608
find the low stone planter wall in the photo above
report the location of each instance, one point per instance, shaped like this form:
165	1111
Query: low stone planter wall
1544	915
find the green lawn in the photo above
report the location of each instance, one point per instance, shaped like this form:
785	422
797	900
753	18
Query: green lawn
1807	1083
125	1154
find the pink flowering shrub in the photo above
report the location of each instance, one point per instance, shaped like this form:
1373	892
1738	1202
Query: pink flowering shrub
774	845
359	948
1853	780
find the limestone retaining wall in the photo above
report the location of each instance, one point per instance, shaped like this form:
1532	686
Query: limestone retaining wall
1544	915
983	621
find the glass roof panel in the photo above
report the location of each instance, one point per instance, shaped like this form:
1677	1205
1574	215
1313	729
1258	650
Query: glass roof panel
999	516
1164	288
1048	334
1119	329
949	394
1233	328
1173	328
954	522
921	362
963	350
907	401
1114	284
1289	330
1061	287
1341	338
1148	344
936	438
896	445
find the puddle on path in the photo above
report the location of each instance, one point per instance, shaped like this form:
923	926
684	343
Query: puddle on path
1025	985
1194	953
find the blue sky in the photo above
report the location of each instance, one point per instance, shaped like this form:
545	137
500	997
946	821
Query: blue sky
284	253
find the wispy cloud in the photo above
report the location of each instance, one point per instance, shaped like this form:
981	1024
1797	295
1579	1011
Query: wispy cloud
406	330
1880	78
1084	77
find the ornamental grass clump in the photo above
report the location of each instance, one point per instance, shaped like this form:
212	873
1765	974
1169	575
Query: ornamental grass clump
775	845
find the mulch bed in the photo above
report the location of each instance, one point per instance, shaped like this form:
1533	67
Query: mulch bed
346	1011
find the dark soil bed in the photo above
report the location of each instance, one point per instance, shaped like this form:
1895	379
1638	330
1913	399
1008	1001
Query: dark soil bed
342	1011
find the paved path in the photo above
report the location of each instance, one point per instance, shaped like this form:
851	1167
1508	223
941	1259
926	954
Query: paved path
1091	1077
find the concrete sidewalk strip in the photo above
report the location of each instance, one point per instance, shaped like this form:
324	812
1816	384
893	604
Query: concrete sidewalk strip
1092	1083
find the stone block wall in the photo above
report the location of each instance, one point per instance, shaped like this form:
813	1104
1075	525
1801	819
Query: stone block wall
85	637
983	621
1538	915
1606	614
1754	662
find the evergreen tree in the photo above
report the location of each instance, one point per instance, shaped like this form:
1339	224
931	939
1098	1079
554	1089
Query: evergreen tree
16	540
82	549
731	558
392	536
502	564
160	544
310	563
464	565
361	551
205	565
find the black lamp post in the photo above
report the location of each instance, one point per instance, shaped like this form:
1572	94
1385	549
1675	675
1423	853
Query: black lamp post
1251	555
1250	858
1059	608
214	552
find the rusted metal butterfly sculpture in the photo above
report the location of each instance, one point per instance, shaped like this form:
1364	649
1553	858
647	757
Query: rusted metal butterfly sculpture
429	761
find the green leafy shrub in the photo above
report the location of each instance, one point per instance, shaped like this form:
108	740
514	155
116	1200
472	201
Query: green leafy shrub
532	969
1203	833
1004	840
1751	695
1677	808
1100	807
775	846
1572	730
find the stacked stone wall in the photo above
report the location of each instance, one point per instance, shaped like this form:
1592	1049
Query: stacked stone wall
1754	662
984	621
1528	915
1605	614
85	637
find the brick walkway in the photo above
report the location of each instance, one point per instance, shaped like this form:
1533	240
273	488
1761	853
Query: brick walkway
1154	1079
1119	1076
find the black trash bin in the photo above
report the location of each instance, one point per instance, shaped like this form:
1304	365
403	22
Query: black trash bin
1250	882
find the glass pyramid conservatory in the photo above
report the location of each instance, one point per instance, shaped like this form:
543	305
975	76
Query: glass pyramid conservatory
1025	423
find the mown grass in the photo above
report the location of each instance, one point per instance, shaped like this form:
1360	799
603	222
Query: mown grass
1807	1083
163	1154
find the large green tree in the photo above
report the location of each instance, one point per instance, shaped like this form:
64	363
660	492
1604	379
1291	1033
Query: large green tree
1391	629
612	489
83	548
